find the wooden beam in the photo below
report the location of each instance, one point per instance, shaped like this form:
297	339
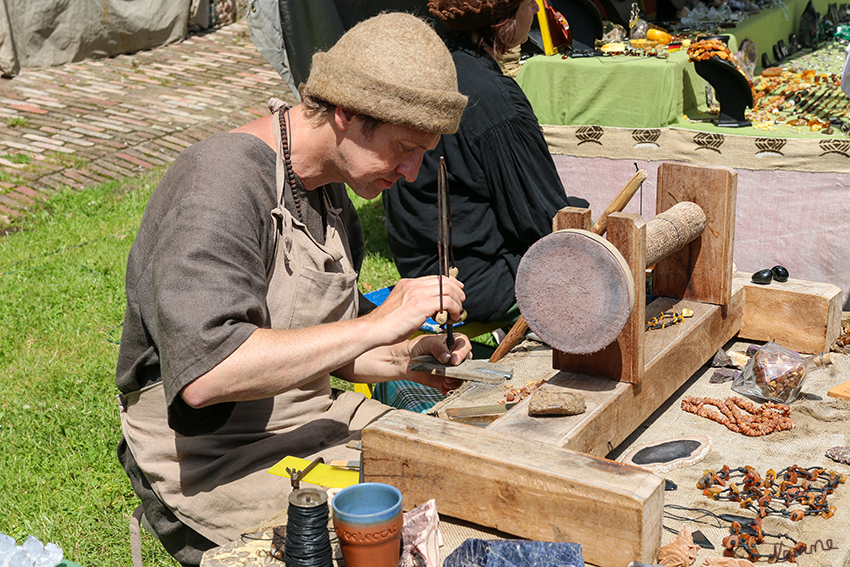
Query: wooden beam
572	217
799	315
520	486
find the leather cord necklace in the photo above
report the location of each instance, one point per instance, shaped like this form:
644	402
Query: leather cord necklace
287	160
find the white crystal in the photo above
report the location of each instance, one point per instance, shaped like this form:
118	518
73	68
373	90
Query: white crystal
7	543
32	553
17	559
50	557
32	545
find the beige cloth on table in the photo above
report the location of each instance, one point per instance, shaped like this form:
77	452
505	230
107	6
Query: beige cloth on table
821	422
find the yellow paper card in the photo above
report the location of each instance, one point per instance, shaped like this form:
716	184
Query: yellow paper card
322	475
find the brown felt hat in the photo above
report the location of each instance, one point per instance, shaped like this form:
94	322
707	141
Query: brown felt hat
469	15
393	67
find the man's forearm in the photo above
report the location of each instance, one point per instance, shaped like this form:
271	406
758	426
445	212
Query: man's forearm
380	364
273	361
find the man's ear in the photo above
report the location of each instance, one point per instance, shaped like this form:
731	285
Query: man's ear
343	118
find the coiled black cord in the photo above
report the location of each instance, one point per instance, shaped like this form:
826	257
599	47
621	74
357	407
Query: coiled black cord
308	543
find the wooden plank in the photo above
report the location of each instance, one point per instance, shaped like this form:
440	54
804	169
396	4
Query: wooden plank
702	270
842	391
616	409
799	315
624	358
520	486
571	217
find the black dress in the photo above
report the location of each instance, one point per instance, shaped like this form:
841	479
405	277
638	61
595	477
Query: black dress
503	185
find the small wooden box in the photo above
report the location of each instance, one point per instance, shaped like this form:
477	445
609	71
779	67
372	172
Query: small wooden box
800	315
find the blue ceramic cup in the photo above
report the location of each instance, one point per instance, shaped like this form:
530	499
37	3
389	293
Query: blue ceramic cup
368	520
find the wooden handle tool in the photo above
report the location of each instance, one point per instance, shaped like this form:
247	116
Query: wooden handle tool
620	201
599	227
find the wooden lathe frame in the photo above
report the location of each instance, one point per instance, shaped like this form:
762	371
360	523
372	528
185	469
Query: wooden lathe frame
562	489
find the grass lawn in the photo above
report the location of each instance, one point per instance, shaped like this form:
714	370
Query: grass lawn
62	290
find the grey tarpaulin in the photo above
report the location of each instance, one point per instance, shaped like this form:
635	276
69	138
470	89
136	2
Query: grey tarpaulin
42	33
289	32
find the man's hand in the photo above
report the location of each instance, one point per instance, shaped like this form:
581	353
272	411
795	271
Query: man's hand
435	345
410	303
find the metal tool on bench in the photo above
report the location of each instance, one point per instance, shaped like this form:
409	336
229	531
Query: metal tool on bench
476	370
445	254
296	475
471	370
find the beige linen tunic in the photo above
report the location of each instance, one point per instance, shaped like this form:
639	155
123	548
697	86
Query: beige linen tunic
218	483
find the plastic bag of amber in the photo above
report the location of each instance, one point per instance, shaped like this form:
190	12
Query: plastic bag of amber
776	374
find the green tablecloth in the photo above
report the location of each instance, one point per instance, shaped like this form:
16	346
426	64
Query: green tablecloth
629	92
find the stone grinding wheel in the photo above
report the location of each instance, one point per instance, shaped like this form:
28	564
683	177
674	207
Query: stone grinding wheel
575	291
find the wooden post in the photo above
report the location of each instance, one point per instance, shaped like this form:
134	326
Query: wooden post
572	217
702	270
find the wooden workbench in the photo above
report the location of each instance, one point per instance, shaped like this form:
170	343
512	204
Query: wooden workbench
481	475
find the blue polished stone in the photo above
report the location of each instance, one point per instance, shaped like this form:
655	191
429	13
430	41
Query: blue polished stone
515	553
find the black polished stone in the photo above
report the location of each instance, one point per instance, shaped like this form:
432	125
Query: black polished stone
763	277
702	541
780	274
666	452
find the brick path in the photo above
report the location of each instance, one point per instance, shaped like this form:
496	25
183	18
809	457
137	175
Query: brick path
84	123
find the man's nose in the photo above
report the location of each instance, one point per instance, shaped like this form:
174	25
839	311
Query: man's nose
409	166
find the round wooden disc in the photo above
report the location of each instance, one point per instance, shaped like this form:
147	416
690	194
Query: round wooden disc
575	291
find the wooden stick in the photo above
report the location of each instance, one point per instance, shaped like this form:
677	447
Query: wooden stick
599	227
620	201
511	339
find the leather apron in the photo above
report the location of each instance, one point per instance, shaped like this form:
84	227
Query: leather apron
218	484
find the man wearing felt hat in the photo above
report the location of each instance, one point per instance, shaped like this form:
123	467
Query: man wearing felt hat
242	292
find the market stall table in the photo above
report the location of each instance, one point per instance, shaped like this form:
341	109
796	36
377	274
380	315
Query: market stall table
635	92
639	91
